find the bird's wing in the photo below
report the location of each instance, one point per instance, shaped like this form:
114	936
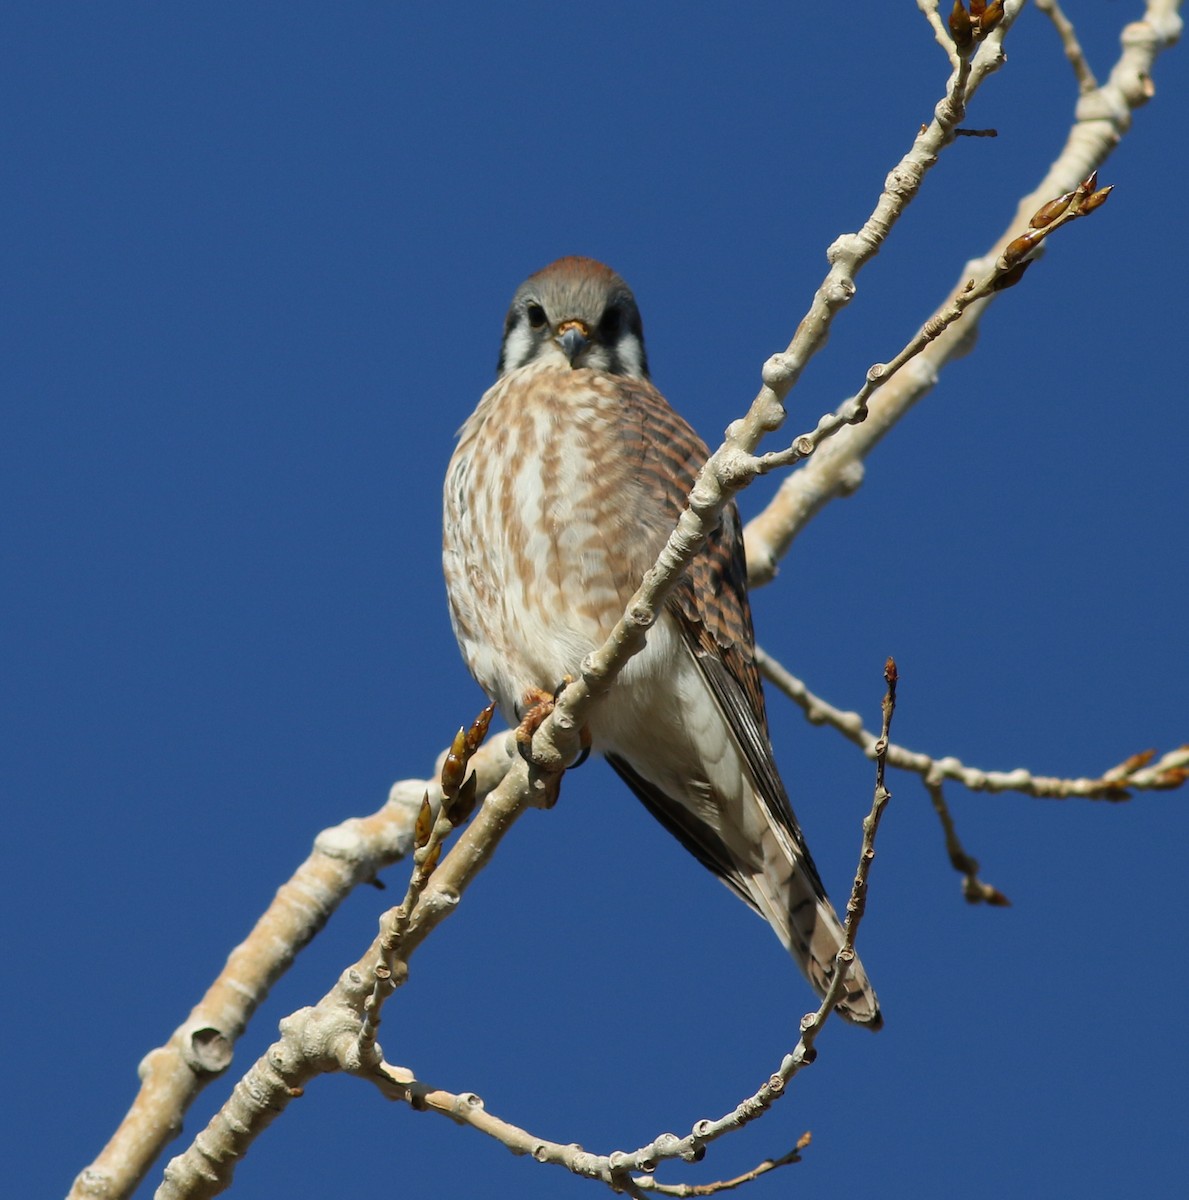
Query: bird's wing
712	611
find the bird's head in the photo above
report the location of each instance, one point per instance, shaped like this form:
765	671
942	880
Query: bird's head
580	314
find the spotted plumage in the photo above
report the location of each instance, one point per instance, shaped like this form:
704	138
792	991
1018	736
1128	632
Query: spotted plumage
566	482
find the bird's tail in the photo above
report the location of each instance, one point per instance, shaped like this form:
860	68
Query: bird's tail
789	896
748	836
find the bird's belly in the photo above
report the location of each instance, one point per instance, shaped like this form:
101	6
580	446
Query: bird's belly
663	720
542	557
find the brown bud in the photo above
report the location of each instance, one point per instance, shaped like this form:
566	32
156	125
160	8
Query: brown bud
1087	185
1130	765
976	8
1017	248
1011	277
455	764
424	824
1097	199
1046	214
459	807
991	16
961	28
479	728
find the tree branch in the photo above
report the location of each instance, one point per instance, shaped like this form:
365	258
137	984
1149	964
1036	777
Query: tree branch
200	1049
621	1169
1101	119
332	1035
557	742
1140	772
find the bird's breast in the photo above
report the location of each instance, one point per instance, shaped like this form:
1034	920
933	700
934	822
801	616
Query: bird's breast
548	528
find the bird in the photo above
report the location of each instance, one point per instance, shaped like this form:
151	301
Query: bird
565	483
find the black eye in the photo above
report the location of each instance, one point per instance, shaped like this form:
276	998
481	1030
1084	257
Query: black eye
536	316
610	323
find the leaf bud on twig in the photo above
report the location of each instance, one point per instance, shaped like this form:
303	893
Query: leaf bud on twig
1046	214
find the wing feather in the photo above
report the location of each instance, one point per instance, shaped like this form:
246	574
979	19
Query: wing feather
712	611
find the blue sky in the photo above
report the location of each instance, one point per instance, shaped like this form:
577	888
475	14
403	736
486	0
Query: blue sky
256	260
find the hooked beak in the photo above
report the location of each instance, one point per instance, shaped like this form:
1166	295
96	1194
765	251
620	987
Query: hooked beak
573	337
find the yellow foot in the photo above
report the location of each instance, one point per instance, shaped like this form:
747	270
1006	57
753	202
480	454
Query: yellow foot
536	706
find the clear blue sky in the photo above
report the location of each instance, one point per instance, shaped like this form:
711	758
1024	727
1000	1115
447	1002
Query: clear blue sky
256	260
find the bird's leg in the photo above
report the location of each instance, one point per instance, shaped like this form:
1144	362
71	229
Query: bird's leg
536	707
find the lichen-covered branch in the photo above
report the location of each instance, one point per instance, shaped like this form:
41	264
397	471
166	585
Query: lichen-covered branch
201	1047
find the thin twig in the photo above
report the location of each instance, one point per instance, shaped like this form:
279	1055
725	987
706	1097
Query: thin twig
622	1169
1139	772
940	32
974	889
458	787
856	906
648	1183
1070	44
1102	118
1007	270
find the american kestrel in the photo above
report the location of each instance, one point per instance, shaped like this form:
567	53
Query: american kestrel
566	482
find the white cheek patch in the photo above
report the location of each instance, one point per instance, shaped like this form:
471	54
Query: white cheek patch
631	355
522	346
519	347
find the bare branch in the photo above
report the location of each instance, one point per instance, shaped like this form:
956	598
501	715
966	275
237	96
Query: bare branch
334	1035
647	1183
1005	272
172	1075
1141	772
329	1035
201	1047
1102	117
1070	44
974	889
851	252
621	1169
940	32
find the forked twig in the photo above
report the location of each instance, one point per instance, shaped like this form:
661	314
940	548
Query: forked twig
1139	772
622	1169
